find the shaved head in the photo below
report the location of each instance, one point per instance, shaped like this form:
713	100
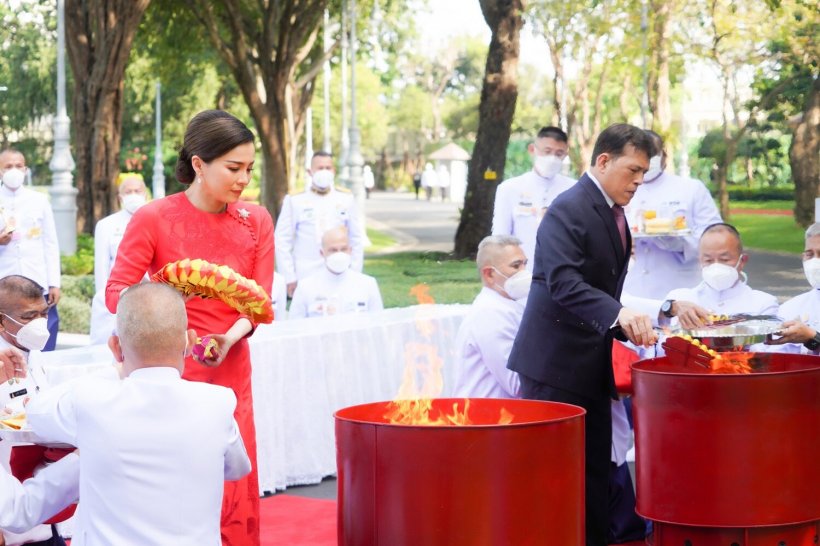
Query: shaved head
491	249
335	240
151	325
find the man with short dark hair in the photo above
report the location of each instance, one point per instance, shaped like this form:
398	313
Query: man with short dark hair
563	351
28	237
665	262
306	216
521	202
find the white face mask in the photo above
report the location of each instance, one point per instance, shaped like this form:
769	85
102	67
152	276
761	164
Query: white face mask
720	276
517	286
338	262
322	179
14	178
132	202
33	335
655	169
548	165
812	270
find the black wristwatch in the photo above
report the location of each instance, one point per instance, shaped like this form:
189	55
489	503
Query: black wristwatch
814	343
666	308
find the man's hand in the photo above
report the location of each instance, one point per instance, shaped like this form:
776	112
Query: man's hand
794	331
5	238
291	288
637	327
690	315
53	295
12	364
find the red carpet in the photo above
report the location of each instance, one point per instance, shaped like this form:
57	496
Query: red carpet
297	521
300	521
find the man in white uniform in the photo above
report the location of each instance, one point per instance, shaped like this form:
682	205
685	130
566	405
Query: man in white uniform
336	289
155	448
486	335
23	327
306	216
23	506
28	238
663	263
107	236
802	313
521	202
723	289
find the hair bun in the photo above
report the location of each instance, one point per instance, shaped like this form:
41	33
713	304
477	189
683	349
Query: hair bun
184	170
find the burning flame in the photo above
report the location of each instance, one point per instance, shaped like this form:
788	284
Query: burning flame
734	362
422	380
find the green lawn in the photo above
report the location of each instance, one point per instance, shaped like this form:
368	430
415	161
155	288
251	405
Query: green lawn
777	233
378	241
771	205
450	281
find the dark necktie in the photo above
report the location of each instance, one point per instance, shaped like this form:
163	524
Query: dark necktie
620	220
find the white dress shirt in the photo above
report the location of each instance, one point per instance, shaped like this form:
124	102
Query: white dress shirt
304	218
324	294
520	204
156	450
737	299
806	309
53	488
665	263
279	297
483	344
107	236
33	251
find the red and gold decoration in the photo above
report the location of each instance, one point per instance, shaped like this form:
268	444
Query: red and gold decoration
206	349
201	278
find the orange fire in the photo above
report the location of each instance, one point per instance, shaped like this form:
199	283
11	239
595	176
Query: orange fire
422	380
734	362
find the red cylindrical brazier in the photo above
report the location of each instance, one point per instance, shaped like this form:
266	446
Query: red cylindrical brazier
729	459
479	484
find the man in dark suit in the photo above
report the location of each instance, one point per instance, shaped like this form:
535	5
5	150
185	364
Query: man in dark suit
564	345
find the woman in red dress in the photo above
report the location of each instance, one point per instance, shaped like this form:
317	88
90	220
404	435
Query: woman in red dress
208	221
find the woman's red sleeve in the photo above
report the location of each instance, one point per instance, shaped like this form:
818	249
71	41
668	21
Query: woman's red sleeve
134	256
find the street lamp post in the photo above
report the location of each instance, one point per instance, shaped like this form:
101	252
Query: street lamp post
326	88
63	193
158	179
355	160
345	143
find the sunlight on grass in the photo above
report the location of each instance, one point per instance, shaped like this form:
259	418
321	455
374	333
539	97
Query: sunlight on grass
450	281
776	233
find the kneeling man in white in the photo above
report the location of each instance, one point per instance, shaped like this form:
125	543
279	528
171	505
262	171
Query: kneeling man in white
155	448
486	336
336	289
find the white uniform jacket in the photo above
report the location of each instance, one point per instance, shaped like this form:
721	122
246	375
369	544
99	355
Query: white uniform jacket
156	450
325	294
520	204
33	251
24	505
304	218
806	309
107	236
665	263
483	344
737	299
279	297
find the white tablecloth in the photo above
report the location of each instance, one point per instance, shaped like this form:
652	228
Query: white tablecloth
305	370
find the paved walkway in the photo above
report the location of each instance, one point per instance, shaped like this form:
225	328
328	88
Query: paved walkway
423	225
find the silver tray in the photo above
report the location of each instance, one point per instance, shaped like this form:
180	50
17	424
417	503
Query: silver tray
738	335
675	233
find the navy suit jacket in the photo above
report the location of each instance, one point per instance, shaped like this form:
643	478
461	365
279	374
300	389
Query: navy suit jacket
565	337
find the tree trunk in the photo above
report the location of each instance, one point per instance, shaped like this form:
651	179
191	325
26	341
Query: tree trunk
804	158
499	93
723	176
99	36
